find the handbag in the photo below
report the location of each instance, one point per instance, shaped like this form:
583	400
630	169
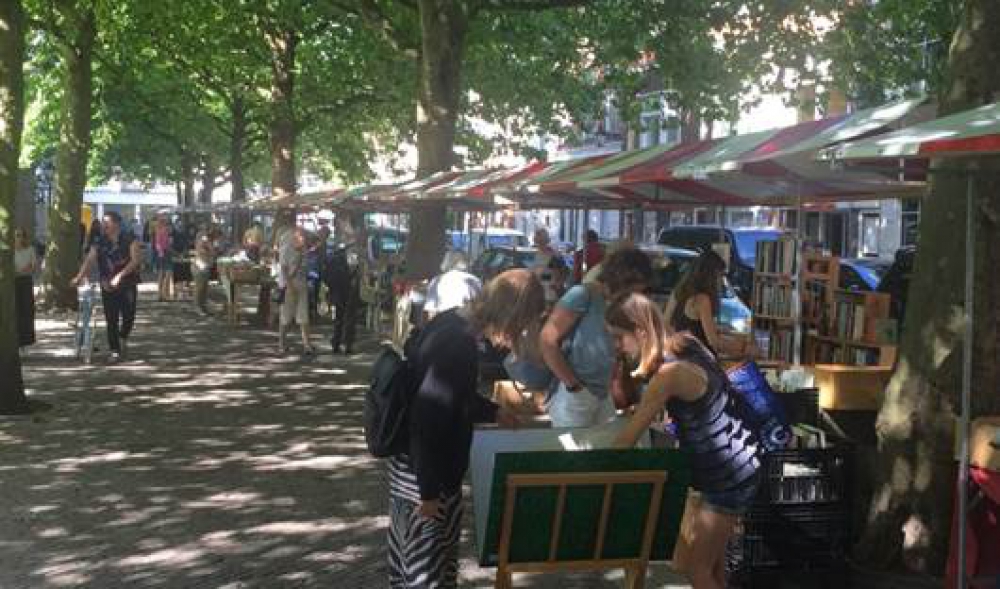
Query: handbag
766	412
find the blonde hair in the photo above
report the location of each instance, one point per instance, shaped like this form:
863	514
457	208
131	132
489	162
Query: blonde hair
511	306
640	316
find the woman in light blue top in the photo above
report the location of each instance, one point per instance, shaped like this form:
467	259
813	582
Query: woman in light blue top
577	348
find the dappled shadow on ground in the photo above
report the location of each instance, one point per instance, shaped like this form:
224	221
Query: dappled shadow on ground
206	460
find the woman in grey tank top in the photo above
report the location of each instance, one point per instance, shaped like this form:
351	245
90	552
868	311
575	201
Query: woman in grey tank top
683	377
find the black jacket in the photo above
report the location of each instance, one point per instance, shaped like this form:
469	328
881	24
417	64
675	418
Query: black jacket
446	403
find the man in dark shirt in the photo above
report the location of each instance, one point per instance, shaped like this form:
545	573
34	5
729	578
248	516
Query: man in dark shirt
342	276
117	255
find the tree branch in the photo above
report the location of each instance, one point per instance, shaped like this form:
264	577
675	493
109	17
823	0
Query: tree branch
336	106
379	22
530	4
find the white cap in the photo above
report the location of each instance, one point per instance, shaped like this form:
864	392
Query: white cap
451	290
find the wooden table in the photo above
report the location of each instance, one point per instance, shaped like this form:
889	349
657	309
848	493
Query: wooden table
233	276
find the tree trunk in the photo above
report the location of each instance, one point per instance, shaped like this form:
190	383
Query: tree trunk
910	515
63	256
443	26
690	126
12	399
187	180
282	127
237	143
207	180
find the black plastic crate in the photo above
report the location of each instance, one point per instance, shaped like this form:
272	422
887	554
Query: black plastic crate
801	406
789	539
806	476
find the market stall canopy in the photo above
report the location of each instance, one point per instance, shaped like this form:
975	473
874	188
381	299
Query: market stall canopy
779	166
645	177
968	133
449	188
775	167
525	187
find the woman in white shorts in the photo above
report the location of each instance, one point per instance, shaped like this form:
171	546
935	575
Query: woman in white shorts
295	306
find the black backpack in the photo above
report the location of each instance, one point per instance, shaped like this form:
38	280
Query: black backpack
387	405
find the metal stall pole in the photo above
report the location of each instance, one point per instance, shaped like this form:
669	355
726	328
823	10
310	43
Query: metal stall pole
722	234
797	274
963	423
469	216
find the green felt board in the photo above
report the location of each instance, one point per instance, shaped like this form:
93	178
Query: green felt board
534	507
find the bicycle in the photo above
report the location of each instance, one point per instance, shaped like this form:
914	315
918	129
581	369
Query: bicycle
86	322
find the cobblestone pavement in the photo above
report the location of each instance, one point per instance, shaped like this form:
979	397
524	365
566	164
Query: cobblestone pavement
206	460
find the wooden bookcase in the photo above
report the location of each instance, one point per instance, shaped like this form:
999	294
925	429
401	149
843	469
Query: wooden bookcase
849	335
839	326
773	324
820	279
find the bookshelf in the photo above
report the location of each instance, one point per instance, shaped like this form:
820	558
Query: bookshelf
820	278
853	331
840	326
772	299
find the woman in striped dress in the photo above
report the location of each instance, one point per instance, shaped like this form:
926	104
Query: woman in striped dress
684	377
425	484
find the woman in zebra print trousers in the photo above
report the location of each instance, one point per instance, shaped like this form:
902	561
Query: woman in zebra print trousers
425	484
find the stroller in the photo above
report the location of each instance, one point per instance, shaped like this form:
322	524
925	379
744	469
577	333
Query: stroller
88	298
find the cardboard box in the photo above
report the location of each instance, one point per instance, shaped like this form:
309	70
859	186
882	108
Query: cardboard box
851	388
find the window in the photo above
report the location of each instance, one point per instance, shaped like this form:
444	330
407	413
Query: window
869	234
705	216
742	218
909	222
682	218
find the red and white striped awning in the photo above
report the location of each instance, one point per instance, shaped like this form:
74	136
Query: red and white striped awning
968	133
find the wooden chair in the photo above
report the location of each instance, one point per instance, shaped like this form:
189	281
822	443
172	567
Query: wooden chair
635	566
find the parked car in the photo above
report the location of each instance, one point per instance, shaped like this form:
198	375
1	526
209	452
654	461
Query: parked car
742	246
482	241
671	264
495	260
862	274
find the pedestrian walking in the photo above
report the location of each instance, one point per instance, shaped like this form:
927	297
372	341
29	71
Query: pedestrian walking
162	247
588	257
25	266
549	266
425	482
204	261
342	276
118	256
295	306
